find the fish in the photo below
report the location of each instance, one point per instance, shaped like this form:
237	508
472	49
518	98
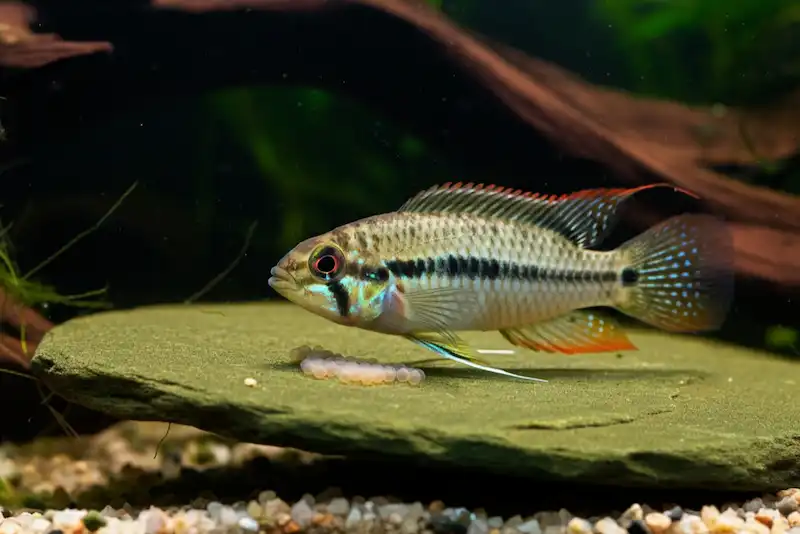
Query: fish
472	257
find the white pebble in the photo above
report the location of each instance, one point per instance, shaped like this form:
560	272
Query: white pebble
692	524
248	524
68	519
353	518
155	520
228	517
302	513
495	522
339	506
530	527
9	526
478	526
250	382
40	525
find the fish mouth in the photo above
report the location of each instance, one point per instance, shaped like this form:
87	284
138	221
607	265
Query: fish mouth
281	280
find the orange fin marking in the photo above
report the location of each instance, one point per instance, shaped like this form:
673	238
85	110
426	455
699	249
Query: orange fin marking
579	332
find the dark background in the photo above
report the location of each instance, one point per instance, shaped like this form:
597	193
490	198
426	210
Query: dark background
345	113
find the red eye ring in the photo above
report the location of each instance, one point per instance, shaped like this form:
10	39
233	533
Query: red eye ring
327	263
324	269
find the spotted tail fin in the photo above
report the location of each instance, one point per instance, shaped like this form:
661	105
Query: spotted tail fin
679	274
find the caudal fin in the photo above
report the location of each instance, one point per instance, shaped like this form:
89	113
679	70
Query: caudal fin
678	275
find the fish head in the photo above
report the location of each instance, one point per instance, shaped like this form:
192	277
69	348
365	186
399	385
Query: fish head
326	276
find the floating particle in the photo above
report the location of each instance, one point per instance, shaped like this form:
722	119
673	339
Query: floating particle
323	364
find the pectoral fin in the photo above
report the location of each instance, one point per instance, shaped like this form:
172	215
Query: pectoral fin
439	308
578	332
452	347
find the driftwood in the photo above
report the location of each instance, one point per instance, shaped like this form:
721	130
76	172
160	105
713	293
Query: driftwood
627	133
15	314
20	47
634	136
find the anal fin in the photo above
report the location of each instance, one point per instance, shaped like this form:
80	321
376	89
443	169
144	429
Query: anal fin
453	348
578	332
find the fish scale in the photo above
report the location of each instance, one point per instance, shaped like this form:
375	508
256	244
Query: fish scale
472	257
567	277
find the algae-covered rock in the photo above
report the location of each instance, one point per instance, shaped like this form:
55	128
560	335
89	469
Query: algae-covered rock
681	411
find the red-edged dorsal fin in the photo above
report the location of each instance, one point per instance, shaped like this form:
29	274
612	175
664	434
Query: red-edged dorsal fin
585	217
578	332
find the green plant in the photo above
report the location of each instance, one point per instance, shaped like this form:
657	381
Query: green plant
24	291
32	294
782	337
318	150
706	50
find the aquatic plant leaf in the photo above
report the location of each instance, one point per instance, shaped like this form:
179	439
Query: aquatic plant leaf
659	24
789	16
287	131
781	337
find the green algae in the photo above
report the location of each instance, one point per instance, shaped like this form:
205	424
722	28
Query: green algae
681	411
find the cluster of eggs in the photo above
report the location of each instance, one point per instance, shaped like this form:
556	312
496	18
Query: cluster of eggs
322	364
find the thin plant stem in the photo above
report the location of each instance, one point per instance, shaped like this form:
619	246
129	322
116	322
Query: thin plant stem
83	234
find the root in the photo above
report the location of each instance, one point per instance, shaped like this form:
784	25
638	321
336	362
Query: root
40	387
24	294
225	272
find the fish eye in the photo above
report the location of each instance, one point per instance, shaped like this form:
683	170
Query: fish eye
327	262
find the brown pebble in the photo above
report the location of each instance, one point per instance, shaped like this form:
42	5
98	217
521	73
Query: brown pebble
657	522
754	526
789	492
727	523
282	519
608	526
291	527
436	506
709	515
577	525
794	519
765	517
323	520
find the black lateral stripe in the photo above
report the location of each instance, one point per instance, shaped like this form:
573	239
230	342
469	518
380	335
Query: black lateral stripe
490	269
373	273
342	298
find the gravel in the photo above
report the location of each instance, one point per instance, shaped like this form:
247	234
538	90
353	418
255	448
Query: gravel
101	459
269	514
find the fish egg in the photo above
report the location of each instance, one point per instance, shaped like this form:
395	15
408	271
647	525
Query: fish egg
307	366
331	367
324	364
415	377
389	374
319	370
402	374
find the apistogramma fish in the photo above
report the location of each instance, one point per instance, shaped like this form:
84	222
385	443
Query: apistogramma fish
463	257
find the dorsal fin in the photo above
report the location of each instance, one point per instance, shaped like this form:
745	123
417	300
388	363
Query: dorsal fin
585	217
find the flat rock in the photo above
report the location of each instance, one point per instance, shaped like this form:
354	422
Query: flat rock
682	411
